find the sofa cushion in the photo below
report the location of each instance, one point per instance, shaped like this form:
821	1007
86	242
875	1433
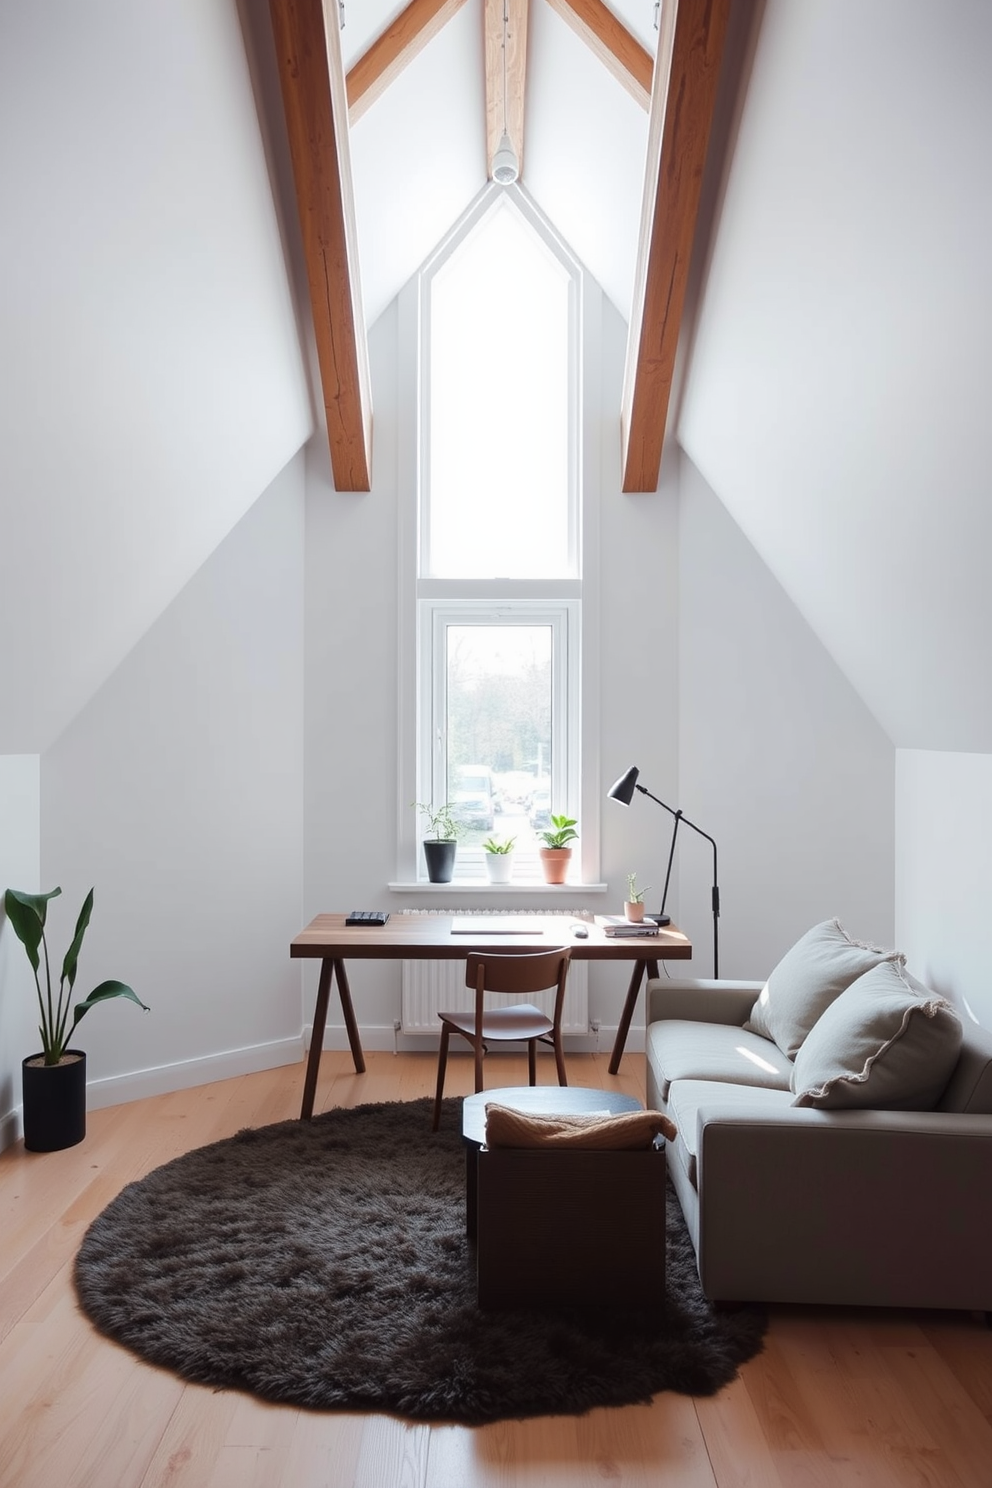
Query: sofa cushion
886	1042
685	1099
682	1050
818	968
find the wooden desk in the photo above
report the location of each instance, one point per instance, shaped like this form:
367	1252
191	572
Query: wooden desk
413	937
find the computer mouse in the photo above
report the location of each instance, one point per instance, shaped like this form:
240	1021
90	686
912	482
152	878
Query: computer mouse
580	931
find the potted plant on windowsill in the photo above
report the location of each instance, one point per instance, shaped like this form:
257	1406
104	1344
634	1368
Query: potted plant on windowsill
499	858
54	1081
634	903
440	842
556	854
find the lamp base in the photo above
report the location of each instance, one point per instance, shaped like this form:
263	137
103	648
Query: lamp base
661	919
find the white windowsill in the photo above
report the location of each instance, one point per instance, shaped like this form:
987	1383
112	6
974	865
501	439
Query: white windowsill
477	885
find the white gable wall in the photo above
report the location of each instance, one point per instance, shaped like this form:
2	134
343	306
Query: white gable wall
944	873
151	383
20	868
779	760
178	794
836	396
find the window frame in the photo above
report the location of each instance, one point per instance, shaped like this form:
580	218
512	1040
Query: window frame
496	608
584	659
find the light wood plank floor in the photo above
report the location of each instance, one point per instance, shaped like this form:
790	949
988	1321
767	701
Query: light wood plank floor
837	1399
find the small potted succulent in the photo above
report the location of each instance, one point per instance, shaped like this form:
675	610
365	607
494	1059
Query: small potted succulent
54	1080
556	854
634	903
440	842
499	858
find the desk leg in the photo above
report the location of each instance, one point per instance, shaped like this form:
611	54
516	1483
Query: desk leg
354	1037
316	1039
623	1027
329	969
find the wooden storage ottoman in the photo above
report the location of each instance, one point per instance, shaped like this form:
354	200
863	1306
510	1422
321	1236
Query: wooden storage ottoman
570	1228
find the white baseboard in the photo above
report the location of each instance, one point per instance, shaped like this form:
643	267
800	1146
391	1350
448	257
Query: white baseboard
164	1078
383	1039
116	1089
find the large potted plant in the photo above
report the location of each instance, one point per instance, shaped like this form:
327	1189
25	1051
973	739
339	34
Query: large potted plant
440	842
556	854
53	1082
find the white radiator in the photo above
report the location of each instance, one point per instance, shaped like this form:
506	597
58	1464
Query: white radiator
429	986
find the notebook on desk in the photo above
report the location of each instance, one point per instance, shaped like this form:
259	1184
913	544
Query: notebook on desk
496	924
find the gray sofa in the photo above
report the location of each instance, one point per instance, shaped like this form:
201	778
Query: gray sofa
787	1203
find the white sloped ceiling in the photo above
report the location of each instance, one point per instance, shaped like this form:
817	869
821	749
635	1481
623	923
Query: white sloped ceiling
838	388
152	382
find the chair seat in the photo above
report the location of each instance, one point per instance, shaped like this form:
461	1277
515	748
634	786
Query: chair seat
522	1021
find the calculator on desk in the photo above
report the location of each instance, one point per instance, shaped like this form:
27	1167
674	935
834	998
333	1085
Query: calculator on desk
367	917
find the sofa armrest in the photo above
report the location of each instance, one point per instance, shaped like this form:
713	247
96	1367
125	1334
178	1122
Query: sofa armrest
697	1000
877	1208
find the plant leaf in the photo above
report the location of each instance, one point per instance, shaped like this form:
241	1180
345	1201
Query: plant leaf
72	954
26	913
103	993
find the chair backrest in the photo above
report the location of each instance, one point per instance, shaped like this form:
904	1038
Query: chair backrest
519	973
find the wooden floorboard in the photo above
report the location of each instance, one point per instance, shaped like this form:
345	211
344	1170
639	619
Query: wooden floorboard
839	1398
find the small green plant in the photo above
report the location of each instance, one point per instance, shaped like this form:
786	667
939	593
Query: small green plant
561	832
494	845
441	825
634	894
26	913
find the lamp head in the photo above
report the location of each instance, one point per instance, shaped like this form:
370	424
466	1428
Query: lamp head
622	790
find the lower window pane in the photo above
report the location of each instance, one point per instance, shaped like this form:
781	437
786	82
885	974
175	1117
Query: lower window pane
498	729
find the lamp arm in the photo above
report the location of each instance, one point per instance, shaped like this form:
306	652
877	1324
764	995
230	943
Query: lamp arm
679	817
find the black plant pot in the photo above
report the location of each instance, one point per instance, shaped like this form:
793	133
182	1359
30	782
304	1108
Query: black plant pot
440	858
54	1102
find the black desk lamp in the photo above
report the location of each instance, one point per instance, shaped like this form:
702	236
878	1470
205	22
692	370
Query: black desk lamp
623	791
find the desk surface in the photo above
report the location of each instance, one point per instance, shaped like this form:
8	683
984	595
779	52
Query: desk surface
429	937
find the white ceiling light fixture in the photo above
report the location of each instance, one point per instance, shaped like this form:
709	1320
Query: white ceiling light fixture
506	168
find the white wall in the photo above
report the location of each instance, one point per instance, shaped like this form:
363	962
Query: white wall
779	760
177	793
837	393
20	849
944	873
151	384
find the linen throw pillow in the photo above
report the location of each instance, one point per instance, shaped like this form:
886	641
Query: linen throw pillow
887	1043
596	1132
806	981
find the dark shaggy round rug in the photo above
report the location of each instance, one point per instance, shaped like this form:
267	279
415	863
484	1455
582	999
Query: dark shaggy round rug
324	1263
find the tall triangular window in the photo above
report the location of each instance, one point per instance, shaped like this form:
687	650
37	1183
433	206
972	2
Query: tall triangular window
499	549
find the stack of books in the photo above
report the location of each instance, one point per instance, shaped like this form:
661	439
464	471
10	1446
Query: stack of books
619	925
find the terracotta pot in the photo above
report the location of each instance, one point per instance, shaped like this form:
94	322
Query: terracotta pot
554	863
634	912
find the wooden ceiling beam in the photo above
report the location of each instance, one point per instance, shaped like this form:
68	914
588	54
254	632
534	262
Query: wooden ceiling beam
516	77
630	63
683	101
311	75
386	58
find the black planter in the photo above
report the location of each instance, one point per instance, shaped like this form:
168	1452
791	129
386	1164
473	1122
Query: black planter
54	1102
440	859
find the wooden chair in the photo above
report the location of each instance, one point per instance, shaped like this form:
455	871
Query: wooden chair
512	975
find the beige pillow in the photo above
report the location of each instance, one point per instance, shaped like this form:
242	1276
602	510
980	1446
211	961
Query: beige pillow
808	979
596	1131
886	1043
